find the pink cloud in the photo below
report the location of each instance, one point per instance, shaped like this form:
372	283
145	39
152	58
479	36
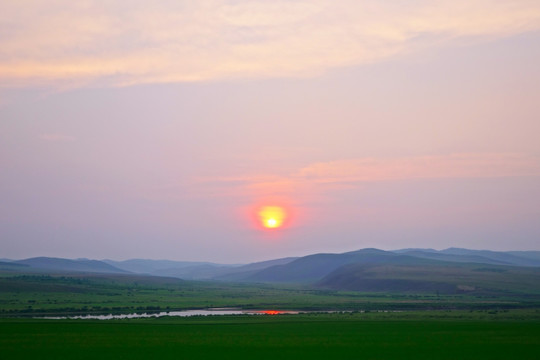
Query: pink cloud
449	166
349	174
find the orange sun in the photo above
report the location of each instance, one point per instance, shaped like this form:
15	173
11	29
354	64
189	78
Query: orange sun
272	217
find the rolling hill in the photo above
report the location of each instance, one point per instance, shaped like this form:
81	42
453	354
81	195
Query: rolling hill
371	270
194	270
313	267
443	278
148	266
48	264
510	258
412	270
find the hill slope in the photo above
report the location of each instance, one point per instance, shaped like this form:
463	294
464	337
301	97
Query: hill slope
68	265
148	266
513	258
314	267
443	278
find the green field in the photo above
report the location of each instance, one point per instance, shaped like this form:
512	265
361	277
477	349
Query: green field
34	295
458	326
417	335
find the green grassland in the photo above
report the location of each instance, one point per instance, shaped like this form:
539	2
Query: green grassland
477	279
367	325
35	294
374	335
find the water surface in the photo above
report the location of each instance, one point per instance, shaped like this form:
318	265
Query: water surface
183	313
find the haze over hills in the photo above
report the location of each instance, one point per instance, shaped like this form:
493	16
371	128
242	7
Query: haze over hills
434	277
59	264
180	269
312	268
534	255
9	265
169	268
445	271
416	271
193	270
518	258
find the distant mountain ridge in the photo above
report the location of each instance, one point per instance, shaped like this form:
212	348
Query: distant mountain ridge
360	270
446	278
158	267
192	270
68	265
313	267
518	258
433	270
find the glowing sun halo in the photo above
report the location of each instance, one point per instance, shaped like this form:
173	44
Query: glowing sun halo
272	217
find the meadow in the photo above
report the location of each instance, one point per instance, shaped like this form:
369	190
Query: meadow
39	294
374	335
364	325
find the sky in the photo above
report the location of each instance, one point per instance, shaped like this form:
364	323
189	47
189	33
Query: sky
160	129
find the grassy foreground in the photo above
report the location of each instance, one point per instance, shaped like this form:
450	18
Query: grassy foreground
416	335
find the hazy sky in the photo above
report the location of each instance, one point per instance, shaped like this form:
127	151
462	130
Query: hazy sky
157	129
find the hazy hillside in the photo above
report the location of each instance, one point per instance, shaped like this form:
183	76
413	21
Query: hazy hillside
245	271
207	271
435	255
510	258
313	267
532	255
346	270
195	272
148	266
518	258
67	265
12	266
444	278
